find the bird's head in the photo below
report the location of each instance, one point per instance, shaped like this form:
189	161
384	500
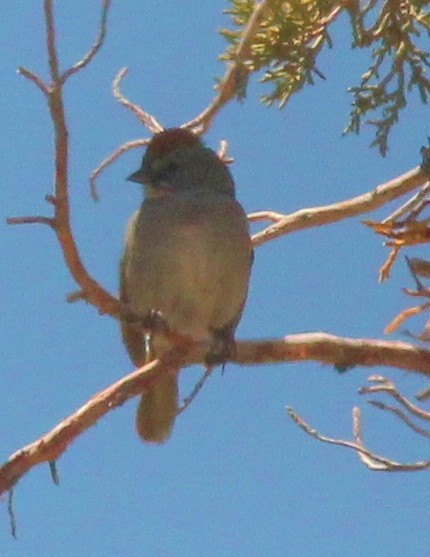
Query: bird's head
176	160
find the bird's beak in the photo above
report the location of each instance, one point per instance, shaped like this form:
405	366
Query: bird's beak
139	176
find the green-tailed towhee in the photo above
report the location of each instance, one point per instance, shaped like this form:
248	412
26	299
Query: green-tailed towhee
187	255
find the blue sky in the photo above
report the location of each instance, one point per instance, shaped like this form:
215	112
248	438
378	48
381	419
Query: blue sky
237	477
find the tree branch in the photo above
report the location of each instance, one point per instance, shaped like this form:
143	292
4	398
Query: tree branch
109	160
96	46
93	292
236	74
372	460
329	214
144	117
343	353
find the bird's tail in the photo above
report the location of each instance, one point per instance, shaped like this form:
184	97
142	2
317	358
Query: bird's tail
157	409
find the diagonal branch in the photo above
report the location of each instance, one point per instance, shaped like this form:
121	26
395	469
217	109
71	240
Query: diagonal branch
96	46
372	460
339	352
237	72
144	117
326	214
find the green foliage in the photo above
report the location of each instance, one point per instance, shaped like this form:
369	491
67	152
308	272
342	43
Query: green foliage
292	34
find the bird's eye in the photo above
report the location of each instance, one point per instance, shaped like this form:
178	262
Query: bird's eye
165	172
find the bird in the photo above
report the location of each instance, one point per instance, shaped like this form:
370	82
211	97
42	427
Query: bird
188	256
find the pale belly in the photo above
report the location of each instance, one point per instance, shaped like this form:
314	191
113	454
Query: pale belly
196	274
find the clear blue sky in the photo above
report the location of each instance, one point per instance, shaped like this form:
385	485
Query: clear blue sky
237	477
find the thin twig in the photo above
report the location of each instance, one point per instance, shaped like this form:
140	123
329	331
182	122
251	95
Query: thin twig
404	315
409	205
32	220
373	461
144	117
265	215
236	73
11	512
34	78
401	415
51	41
197	387
109	160
96	46
386	386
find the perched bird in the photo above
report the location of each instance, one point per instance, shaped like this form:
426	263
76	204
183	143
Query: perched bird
187	255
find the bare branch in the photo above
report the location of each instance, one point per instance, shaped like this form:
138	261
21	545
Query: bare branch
109	160
93	292
96	46
312	346
236	73
372	460
51	41
401	415
34	78
318	216
197	388
265	215
409	205
404	315
32	220
144	117
386	386
50	446
342	353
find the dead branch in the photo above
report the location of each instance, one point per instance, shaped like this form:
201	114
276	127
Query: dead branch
384	385
329	214
144	117
50	446
109	160
237	72
342	353
372	460
399	413
96	46
93	292
197	388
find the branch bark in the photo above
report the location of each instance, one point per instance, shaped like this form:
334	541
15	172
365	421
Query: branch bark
342	353
329	214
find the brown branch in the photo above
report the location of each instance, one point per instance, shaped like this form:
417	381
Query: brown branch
50	446
144	117
36	219
404	315
34	79
93	292
51	41
328	214
410	205
237	72
96	46
342	353
328	349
